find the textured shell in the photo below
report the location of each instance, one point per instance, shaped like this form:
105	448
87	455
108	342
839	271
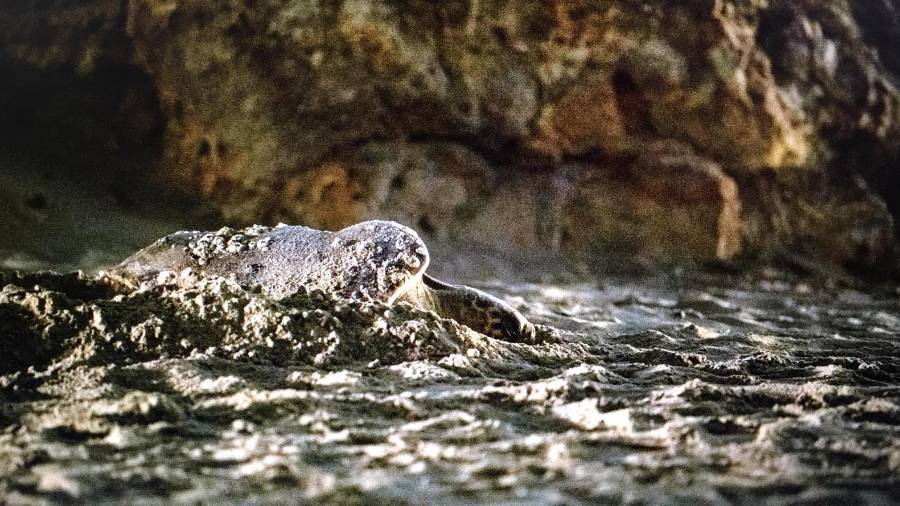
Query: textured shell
371	260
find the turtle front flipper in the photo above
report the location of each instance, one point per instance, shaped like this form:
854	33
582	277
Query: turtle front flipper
478	310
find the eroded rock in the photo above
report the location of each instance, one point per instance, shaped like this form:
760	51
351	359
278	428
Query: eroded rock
282	112
675	205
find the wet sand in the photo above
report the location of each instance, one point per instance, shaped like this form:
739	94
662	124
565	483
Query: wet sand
666	389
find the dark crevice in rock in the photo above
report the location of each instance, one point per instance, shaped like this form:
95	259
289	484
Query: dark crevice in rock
498	151
877	164
880	22
632	103
60	113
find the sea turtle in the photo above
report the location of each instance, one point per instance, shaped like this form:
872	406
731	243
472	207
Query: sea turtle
374	260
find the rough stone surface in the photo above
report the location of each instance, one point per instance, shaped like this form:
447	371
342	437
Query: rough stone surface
676	205
291	111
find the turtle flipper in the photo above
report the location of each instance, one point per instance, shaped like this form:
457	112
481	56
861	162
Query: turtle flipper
479	311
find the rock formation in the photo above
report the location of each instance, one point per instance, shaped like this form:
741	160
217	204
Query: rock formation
698	130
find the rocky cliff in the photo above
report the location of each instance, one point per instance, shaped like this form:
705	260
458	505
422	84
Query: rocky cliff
698	130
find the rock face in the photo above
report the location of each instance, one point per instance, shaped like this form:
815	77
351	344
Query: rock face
685	204
695	130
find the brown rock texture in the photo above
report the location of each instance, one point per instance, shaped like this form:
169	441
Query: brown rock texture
697	130
687	208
